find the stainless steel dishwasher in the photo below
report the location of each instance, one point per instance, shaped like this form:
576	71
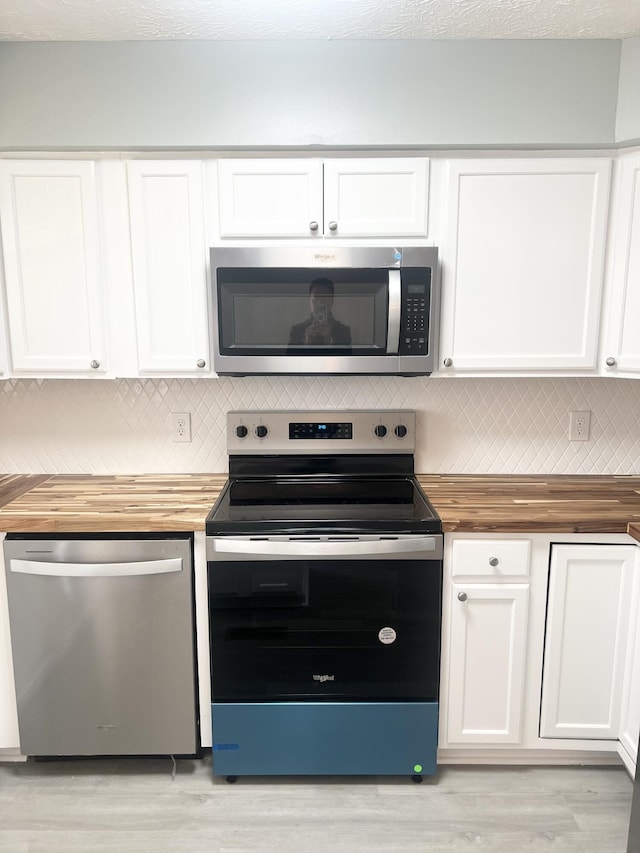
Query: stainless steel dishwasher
102	634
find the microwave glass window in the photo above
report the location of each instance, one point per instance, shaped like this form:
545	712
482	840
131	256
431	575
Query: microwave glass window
298	311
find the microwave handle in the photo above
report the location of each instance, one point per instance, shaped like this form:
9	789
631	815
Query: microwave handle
393	325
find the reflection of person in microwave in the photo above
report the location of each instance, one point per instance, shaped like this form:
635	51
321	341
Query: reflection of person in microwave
321	328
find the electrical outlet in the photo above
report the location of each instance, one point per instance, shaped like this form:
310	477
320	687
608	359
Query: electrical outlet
181	426
579	423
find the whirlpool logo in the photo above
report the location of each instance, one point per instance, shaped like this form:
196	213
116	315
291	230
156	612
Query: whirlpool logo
323	678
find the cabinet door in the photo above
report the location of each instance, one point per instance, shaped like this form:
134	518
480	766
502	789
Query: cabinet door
50	243
622	347
3	328
169	265
487	654
9	737
376	197
630	712
586	639
523	264
270	198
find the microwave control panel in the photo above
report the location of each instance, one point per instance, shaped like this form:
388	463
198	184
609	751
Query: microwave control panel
416	297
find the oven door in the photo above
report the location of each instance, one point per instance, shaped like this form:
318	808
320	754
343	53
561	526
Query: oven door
325	618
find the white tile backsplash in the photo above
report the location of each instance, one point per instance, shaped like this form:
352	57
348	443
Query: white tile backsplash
465	426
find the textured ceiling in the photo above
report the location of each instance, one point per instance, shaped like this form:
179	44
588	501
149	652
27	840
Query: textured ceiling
107	20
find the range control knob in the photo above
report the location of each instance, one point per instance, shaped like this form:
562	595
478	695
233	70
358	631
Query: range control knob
400	430
241	431
380	430
261	431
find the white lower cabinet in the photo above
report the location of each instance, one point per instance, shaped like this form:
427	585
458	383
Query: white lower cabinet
586	640
630	711
526	680
202	635
488	654
486	605
9	737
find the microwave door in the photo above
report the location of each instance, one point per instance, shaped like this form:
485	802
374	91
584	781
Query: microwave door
393	318
382	312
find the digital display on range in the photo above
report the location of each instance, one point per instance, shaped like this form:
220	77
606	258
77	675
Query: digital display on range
320	430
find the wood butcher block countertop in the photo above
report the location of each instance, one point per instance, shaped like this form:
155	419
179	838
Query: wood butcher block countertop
119	504
562	503
181	502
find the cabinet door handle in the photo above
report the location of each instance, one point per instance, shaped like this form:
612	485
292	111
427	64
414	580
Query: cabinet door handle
493	561
313	225
333	225
448	362
611	362
462	596
95	364
200	362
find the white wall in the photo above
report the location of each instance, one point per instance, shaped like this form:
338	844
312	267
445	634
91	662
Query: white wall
101	95
628	117
502	426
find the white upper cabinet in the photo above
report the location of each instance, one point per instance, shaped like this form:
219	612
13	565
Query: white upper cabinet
621	350
166	209
270	198
523	255
376	197
360	197
3	329
50	241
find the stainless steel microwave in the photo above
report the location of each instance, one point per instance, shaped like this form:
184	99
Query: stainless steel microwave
333	310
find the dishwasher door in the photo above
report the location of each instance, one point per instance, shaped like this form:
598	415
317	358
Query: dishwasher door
102	634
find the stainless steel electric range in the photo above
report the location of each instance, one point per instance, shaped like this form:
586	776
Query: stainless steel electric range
324	561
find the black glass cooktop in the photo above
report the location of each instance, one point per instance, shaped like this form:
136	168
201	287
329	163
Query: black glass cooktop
250	506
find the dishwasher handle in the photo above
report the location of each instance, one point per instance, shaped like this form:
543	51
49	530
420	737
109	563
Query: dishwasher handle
95	570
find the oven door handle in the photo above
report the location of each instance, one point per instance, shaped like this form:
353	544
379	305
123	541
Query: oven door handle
310	549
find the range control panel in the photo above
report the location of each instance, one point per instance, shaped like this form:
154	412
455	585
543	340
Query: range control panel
331	430
321	432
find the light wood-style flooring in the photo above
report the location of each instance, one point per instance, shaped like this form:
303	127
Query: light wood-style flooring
140	806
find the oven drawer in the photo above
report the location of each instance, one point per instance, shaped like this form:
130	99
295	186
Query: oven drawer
324	738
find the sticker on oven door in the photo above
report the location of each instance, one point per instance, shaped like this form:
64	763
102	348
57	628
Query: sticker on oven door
387	635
